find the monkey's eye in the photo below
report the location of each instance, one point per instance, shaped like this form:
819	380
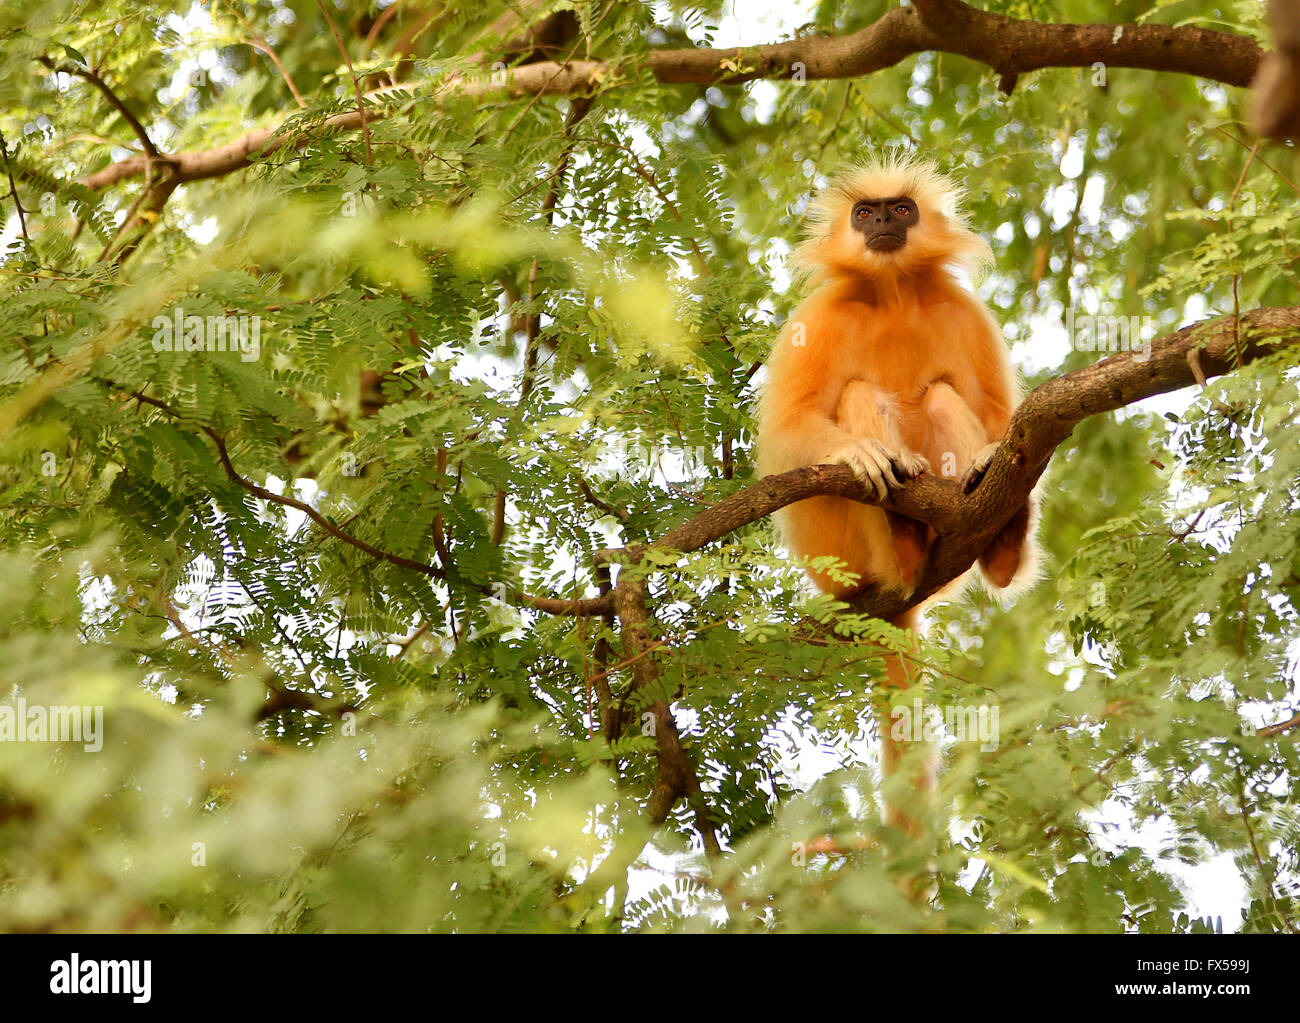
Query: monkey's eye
862	212
902	209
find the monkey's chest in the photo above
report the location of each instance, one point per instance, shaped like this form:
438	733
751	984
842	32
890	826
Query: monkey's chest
901	361
902	367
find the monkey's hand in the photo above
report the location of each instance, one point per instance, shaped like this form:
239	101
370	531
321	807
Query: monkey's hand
979	466
878	467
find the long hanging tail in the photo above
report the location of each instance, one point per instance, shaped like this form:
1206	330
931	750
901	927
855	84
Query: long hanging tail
902	748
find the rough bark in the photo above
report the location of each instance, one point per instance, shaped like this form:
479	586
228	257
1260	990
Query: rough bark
1009	46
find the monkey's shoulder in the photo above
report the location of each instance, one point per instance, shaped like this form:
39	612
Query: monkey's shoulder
959	313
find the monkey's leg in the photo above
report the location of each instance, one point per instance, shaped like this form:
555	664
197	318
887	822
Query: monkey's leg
868	413
953	433
955	440
1002	558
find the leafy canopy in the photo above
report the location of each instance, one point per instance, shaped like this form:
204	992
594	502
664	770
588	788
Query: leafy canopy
498	334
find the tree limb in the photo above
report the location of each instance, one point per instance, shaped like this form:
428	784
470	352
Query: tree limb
94	79
1280	727
1009	46
675	776
966	523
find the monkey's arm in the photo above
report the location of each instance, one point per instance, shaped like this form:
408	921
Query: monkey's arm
797	424
796	429
802	422
999	388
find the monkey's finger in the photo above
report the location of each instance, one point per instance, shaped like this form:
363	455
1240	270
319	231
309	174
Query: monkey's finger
863	468
974	476
872	474
872	479
885	463
979	466
911	466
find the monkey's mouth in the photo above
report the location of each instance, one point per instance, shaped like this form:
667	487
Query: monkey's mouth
885	243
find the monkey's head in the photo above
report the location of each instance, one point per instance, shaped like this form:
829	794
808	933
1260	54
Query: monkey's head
891	217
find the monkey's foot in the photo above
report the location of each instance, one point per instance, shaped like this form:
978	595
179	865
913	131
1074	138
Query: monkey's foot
880	468
979	466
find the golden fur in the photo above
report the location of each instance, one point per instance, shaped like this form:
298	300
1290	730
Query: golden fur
893	367
890	347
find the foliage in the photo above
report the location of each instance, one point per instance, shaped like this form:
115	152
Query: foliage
299	736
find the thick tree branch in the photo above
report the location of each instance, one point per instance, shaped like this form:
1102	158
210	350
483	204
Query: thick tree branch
1009	46
1051	411
966	523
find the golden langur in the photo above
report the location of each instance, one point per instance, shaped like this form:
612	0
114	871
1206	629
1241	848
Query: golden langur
892	367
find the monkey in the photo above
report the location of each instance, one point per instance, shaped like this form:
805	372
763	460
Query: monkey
893	368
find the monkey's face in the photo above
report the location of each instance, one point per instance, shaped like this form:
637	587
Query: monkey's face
894	217
884	223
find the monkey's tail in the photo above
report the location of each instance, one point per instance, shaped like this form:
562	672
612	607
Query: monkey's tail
902	744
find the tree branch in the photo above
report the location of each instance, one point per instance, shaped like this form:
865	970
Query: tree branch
1280	727
675	776
132	121
266	495
356	84
965	524
1009	46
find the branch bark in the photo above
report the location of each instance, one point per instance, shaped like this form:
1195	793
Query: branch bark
1009	46
675	775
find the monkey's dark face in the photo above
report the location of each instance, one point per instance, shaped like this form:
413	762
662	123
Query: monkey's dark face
895	217
884	223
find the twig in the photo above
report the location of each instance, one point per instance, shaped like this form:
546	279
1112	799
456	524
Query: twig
13	190
117	104
1280	727
356	84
